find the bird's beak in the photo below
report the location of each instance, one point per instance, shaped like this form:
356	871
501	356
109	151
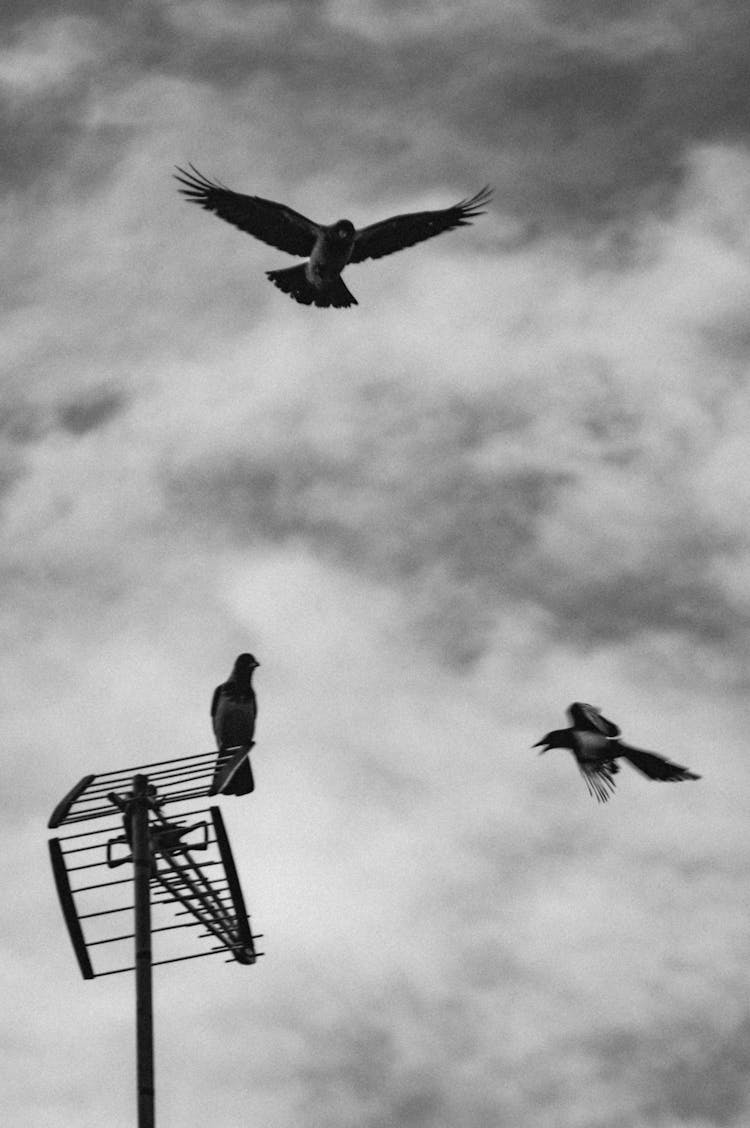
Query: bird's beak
543	745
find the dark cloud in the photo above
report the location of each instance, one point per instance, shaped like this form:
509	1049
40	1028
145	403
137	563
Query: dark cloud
571	129
87	412
23	423
710	1078
20	422
11	470
19	16
668	596
408	504
36	140
403	503
580	131
694	1073
448	1057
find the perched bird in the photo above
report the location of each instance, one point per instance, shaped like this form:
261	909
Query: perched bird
234	710
328	249
594	742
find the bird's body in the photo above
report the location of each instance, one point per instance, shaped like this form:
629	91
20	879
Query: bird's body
234	710
328	249
318	281
234	716
595	744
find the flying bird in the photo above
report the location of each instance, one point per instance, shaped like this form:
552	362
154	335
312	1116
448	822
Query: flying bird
234	710
595	743
328	249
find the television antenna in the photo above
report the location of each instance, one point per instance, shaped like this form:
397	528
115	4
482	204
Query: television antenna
182	866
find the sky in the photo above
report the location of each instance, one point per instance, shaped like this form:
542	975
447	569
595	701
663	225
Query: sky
514	476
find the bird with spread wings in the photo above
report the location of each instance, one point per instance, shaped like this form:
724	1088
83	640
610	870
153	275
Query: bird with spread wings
595	744
328	249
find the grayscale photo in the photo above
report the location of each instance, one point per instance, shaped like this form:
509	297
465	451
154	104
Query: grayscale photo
375	554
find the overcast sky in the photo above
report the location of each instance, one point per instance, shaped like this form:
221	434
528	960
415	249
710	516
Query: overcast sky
515	475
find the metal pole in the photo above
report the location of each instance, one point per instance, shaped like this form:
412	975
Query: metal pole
143	998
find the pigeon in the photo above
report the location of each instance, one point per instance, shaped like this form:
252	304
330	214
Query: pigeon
234	710
328	249
595	743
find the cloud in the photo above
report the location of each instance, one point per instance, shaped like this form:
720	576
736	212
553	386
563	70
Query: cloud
471	503
515	476
599	512
577	115
94	410
47	55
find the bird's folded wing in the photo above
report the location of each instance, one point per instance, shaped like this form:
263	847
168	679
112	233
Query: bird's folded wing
655	767
270	222
402	231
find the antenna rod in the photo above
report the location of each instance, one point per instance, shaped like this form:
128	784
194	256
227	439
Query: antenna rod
143	995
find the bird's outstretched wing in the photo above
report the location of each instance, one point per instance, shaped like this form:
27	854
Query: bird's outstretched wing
655	767
599	778
402	231
585	716
273	223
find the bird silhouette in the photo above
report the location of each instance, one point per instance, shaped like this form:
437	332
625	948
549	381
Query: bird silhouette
234	710
595	743
328	249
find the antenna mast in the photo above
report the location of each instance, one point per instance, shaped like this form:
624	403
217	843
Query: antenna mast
166	878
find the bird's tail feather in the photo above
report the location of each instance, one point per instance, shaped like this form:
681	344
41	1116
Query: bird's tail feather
655	767
294	281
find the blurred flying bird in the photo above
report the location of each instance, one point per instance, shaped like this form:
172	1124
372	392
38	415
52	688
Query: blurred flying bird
594	742
328	249
234	710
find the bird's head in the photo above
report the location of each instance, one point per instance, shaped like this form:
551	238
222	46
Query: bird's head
560	738
344	230
245	664
544	744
